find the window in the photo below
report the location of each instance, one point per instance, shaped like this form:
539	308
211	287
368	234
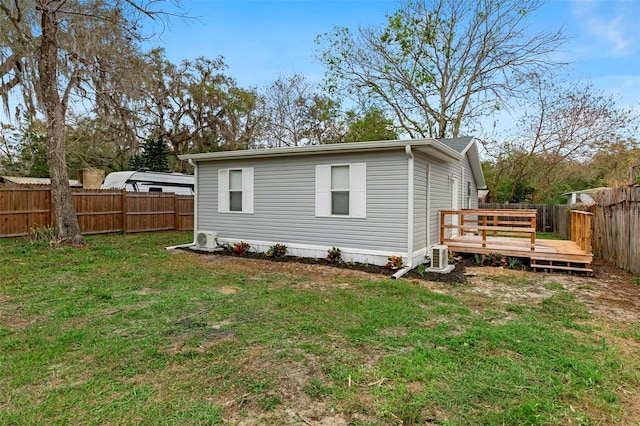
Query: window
235	190
341	190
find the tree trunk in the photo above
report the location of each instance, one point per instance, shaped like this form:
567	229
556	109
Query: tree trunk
66	220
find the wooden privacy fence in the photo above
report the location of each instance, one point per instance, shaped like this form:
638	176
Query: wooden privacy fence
99	212
616	227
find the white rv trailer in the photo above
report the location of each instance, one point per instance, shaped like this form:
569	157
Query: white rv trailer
145	181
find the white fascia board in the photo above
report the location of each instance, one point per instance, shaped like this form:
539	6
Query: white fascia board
472	152
431	146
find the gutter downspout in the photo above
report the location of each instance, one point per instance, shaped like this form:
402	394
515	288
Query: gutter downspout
410	208
428	206
195	198
195	209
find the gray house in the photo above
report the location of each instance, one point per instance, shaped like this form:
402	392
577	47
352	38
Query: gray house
370	199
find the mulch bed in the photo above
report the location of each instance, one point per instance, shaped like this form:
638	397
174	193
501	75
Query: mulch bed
457	276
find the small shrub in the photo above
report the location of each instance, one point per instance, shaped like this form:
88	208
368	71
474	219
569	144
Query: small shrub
42	233
477	258
241	247
395	262
421	270
334	255
277	250
227	248
636	280
513	262
495	259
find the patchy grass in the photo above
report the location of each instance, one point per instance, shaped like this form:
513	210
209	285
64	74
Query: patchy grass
548	236
124	332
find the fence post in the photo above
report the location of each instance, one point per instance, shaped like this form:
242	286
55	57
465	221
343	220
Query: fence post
51	209
124	210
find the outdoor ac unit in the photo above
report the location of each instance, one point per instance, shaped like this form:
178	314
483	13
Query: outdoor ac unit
439	257
206	239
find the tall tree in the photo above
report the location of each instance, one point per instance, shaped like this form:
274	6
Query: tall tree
286	101
297	114
53	49
562	127
438	64
154	156
370	126
195	106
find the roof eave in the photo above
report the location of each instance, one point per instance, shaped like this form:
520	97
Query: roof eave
476	165
442	150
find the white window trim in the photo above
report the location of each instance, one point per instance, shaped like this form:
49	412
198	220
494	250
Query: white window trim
247	191
357	190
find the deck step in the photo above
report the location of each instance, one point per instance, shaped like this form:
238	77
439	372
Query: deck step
569	266
562	257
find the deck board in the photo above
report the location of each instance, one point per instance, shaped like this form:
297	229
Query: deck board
548	250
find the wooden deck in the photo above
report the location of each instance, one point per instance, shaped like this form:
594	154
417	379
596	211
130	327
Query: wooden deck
512	233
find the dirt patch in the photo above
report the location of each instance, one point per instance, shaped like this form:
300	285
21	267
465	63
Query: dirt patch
320	269
12	317
610	294
207	335
298	404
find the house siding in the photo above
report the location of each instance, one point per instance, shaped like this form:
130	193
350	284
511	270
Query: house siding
441	191
468	177
284	203
420	204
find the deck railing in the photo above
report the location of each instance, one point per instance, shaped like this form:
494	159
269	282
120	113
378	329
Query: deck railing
581	229
498	222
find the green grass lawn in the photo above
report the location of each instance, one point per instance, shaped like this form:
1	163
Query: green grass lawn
124	332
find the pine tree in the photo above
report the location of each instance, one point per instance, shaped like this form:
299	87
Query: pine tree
154	156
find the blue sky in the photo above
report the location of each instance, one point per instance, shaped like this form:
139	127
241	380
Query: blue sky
262	39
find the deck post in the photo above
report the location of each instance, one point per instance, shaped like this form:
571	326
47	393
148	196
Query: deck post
441	227
484	231
533	234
